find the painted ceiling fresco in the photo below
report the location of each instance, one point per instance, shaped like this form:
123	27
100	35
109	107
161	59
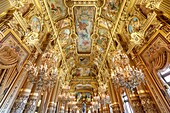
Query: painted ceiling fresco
111	9
57	9
82	72
84	20
102	40
83	31
80	96
63	23
102	22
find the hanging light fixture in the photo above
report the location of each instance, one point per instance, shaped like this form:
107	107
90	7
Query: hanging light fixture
42	76
123	75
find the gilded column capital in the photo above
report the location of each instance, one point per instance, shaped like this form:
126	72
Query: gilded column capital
115	107
147	103
136	103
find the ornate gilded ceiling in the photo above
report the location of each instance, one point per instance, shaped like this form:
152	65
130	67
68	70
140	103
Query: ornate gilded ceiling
84	30
83	33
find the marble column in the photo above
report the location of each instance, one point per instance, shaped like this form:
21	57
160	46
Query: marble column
22	99
135	102
119	96
101	108
43	102
47	101
66	107
56	97
33	100
146	101
61	108
115	104
52	104
105	109
58	107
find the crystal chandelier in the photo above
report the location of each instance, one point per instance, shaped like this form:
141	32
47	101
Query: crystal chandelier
42	76
123	74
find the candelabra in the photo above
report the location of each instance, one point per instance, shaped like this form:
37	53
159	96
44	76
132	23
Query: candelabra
100	100
95	105
123	74
66	96
72	104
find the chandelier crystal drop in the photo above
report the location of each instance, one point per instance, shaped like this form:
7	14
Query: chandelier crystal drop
123	75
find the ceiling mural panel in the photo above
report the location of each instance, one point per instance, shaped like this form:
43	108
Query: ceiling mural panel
84	20
80	96
111	9
63	23
133	25
104	23
83	60
102	40
64	37
57	9
35	24
81	72
70	59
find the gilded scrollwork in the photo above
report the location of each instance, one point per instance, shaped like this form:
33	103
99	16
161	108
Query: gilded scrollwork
148	104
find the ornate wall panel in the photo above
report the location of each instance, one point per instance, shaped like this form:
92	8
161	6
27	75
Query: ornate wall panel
12	58
155	56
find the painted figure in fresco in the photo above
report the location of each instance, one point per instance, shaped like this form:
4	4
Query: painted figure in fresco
133	25
64	37
111	8
78	72
84	60
35	24
57	8
79	96
88	97
84	33
84	23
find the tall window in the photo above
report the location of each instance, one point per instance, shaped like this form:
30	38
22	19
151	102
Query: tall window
165	77
126	104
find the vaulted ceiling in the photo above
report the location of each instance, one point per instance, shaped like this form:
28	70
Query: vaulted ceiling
84	32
